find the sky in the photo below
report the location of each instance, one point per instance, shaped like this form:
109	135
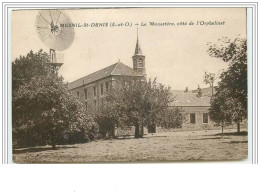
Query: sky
176	55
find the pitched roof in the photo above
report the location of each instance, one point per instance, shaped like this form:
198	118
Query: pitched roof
206	91
115	69
190	99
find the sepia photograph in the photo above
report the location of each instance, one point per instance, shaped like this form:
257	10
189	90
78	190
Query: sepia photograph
129	85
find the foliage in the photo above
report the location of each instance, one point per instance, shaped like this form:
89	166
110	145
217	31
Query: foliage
171	118
44	111
218	111
159	98
26	67
140	104
209	78
233	85
107	118
45	107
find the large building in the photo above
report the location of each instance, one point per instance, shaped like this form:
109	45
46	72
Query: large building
91	89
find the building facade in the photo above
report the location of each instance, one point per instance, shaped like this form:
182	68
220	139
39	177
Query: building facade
194	108
92	89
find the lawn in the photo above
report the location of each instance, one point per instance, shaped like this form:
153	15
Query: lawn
167	146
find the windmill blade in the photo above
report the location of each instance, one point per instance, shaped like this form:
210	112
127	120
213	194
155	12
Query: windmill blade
48	26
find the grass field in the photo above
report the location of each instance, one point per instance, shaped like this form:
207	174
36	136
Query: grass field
169	146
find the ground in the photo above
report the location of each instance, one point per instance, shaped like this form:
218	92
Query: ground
167	146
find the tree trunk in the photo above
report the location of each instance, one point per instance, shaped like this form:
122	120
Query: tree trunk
238	127
53	145
104	134
137	130
222	126
114	132
141	131
53	142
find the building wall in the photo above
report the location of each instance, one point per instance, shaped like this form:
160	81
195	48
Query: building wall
92	101
199	123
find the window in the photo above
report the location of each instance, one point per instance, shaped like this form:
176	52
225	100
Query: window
140	62
86	93
101	89
205	118
86	105
192	118
95	90
78	93
106	86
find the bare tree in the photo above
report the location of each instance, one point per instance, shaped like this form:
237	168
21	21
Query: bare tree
209	78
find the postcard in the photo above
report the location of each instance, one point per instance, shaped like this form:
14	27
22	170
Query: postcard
111	85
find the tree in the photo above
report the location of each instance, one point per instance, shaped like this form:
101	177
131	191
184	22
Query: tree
43	108
141	104
209	78
107	118
219	111
26	67
233	81
171	118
